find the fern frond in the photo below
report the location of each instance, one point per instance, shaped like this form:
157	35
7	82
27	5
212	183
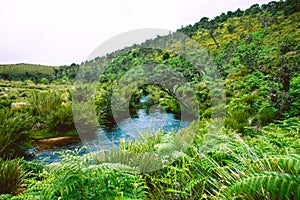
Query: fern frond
268	184
281	164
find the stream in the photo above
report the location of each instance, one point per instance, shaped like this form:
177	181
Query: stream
143	122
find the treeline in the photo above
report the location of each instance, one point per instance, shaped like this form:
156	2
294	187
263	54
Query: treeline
275	8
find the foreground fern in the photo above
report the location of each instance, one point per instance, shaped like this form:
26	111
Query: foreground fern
267	185
78	178
270	178
229	169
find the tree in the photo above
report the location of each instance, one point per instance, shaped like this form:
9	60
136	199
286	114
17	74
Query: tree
231	28
212	27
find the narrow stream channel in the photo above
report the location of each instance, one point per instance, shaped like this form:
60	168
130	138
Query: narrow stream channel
143	122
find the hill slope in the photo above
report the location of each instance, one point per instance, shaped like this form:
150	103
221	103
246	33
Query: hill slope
26	71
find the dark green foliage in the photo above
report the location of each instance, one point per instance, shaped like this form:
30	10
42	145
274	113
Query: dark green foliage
288	44
231	28
291	7
14	137
66	72
61	120
248	55
294	93
266	115
26	72
12	177
238	119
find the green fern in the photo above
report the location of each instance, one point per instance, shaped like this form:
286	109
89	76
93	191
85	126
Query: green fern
267	185
283	164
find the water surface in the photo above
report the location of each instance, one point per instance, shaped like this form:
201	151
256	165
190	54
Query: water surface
145	121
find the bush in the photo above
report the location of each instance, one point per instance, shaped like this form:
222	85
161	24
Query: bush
266	115
14	128
231	28
287	44
238	119
294	93
12	177
5	103
61	120
42	103
44	81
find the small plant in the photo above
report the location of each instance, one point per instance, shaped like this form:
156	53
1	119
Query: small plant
266	115
14	135
42	103
12	177
61	120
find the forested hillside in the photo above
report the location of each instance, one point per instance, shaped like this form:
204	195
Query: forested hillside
250	152
256	53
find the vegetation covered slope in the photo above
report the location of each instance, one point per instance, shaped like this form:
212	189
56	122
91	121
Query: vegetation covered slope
25	72
37	73
255	155
256	52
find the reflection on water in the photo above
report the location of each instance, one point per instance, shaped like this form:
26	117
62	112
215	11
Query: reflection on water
143	122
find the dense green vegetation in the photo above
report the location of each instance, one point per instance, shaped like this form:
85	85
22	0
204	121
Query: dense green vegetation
255	155
30	112
38	73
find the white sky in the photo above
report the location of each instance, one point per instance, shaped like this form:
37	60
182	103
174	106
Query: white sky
60	32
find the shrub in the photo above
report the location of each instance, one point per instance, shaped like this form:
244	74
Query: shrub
44	81
42	103
61	119
12	177
238	119
287	44
294	93
14	128
231	28
5	103
266	115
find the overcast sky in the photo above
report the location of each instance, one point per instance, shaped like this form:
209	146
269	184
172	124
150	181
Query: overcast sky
60	32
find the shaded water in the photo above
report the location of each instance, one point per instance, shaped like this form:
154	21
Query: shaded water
145	121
